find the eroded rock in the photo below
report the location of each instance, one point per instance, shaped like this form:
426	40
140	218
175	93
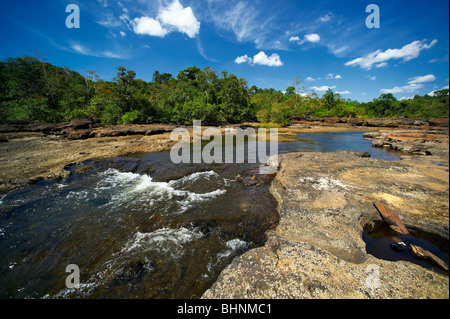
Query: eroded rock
317	250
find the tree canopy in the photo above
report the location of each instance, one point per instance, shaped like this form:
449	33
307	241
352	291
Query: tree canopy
32	89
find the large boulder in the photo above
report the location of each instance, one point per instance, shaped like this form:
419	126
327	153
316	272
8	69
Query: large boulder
317	250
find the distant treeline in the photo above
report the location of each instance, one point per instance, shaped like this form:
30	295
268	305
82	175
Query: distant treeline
34	90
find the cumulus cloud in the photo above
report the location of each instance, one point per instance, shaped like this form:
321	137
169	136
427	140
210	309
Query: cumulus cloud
149	26
261	59
243	59
402	89
433	93
422	79
331	76
312	38
172	18
183	19
379	57
343	92
322	88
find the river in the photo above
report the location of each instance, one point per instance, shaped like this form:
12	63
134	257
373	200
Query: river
141	226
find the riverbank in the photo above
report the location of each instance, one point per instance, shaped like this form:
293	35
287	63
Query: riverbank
30	152
317	251
325	199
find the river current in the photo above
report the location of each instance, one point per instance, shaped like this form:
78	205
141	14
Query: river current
141	226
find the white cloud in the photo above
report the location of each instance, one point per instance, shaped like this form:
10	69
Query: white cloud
381	65
322	88
148	26
422	79
123	34
332	76
243	59
432	93
183	19
401	89
85	51
372	78
379	57
171	18
343	92
313	37
262	59
325	18
80	49
309	79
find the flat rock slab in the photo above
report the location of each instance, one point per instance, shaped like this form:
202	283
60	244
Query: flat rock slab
317	251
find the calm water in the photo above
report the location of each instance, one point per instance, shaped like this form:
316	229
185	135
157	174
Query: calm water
332	142
379	239
141	226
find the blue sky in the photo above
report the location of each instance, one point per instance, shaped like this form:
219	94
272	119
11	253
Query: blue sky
267	42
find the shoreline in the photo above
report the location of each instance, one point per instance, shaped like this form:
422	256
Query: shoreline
317	251
28	157
35	151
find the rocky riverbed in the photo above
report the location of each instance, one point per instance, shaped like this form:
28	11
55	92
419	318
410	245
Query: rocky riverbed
317	250
324	202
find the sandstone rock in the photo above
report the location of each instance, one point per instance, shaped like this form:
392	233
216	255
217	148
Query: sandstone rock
316	251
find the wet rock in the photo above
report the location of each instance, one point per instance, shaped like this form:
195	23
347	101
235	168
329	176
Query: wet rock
133	270
317	251
83	169
58	173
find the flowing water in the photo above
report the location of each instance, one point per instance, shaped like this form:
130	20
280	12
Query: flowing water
141	226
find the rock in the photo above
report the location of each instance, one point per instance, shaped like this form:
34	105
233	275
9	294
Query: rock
80	124
133	270
442	122
58	173
79	135
3	140
356	153
317	251
383	122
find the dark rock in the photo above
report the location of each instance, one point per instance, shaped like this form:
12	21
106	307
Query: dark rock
80	124
3	140
356	153
399	247
443	122
132	270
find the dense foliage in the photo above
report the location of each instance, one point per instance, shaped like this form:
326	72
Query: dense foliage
32	89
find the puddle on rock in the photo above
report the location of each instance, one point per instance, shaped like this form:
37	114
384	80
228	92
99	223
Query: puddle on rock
381	242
